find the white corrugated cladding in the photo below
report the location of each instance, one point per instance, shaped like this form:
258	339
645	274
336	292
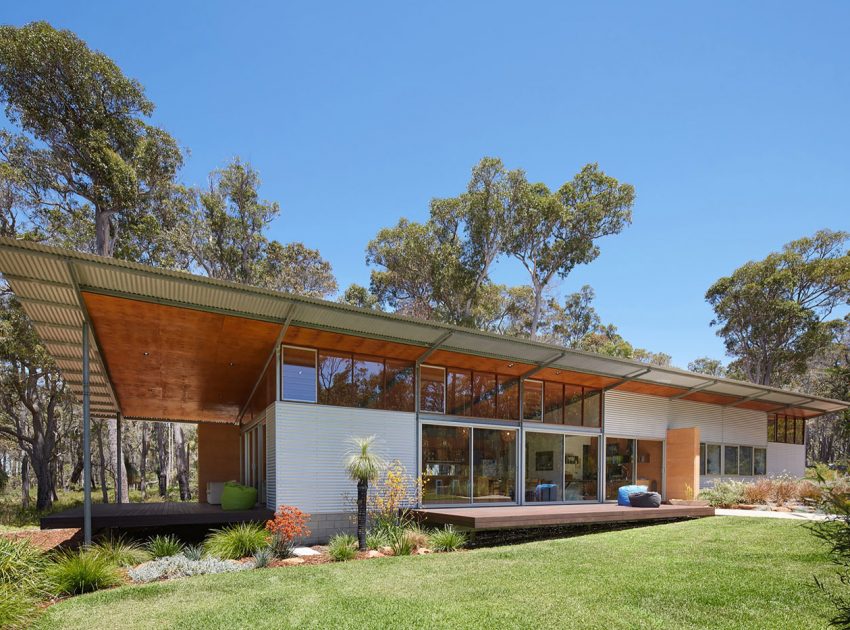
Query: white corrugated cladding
636	415
725	425
271	463
311	443
786	459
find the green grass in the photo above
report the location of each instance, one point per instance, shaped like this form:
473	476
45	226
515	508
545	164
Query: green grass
711	573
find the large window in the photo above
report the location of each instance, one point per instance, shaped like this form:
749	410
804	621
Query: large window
507	399
347	380
619	465
432	389
786	430
738	460
466	464
562	404
730	460
532	400
299	374
459	388
581	468
544	467
469	393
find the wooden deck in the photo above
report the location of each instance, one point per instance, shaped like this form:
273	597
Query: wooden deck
141	515
527	516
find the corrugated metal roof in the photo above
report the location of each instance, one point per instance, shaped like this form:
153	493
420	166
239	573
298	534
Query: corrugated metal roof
49	281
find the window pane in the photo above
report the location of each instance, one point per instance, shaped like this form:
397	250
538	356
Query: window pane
760	461
399	393
553	403
368	382
445	464
702	458
712	459
800	432
771	429
508	398
591	409
432	389
335	379
493	466
459	401
299	374
730	462
745	463
532	402
619	465
581	468
572	400
780	428
484	395
544	467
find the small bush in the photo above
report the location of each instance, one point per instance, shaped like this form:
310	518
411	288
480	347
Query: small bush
376	538
179	566
724	494
17	607
448	539
164	546
784	489
342	547
73	573
22	566
288	525
236	541
194	552
401	542
262	557
809	492
758	492
121	552
417	536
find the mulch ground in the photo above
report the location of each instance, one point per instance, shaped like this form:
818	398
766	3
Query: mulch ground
47	539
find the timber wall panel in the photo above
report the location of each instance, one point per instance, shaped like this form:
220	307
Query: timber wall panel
218	455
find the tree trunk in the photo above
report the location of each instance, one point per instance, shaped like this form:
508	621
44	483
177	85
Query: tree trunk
362	493
25	482
77	472
117	455
103	489
162	459
182	457
143	463
538	303
44	475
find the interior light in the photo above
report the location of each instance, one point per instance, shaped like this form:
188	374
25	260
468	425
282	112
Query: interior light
510	364
146	353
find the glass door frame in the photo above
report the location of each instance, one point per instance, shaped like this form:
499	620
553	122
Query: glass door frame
635	440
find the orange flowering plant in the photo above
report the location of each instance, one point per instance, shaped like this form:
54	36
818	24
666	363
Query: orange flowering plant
289	523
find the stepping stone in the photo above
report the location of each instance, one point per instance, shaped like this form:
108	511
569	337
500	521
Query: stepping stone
304	551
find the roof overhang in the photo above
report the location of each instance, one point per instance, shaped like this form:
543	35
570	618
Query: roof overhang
60	289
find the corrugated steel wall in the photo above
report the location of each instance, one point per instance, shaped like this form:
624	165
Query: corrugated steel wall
786	459
636	415
271	462
311	442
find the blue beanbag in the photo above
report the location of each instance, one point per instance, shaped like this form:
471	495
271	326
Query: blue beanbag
624	492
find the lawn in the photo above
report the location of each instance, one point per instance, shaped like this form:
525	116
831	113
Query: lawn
720	572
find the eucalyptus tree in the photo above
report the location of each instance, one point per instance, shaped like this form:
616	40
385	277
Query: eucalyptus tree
554	232
774	314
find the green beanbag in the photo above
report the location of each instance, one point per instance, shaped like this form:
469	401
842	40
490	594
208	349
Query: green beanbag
235	496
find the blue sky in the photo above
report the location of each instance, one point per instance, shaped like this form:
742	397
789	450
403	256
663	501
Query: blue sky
729	118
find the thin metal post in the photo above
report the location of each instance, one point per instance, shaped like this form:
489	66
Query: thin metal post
86	441
119	455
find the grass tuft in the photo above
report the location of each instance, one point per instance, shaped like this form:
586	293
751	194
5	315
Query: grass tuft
236	541
164	546
121	552
77	572
447	539
342	547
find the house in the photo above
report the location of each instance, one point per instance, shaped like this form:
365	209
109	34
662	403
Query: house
278	384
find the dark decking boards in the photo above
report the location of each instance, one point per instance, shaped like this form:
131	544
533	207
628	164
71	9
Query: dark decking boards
526	516
140	515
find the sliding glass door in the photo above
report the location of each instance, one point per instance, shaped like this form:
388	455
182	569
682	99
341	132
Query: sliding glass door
629	461
560	467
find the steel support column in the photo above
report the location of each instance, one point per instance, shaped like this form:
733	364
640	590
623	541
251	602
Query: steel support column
86	441
119	456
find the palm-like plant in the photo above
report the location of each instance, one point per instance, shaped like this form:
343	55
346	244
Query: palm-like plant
363	465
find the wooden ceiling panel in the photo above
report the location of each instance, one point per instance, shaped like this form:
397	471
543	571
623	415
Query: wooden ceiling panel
169	362
312	338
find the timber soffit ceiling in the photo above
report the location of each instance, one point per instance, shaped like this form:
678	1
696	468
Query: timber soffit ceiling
49	282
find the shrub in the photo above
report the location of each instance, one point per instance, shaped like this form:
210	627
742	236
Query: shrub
164	546
759	491
809	492
448	539
22	566
194	552
377	538
836	533
342	547
262	557
17	607
401	542
236	541
784	489
288	525
395	493
417	536
73	573
724	494
180	566
121	552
